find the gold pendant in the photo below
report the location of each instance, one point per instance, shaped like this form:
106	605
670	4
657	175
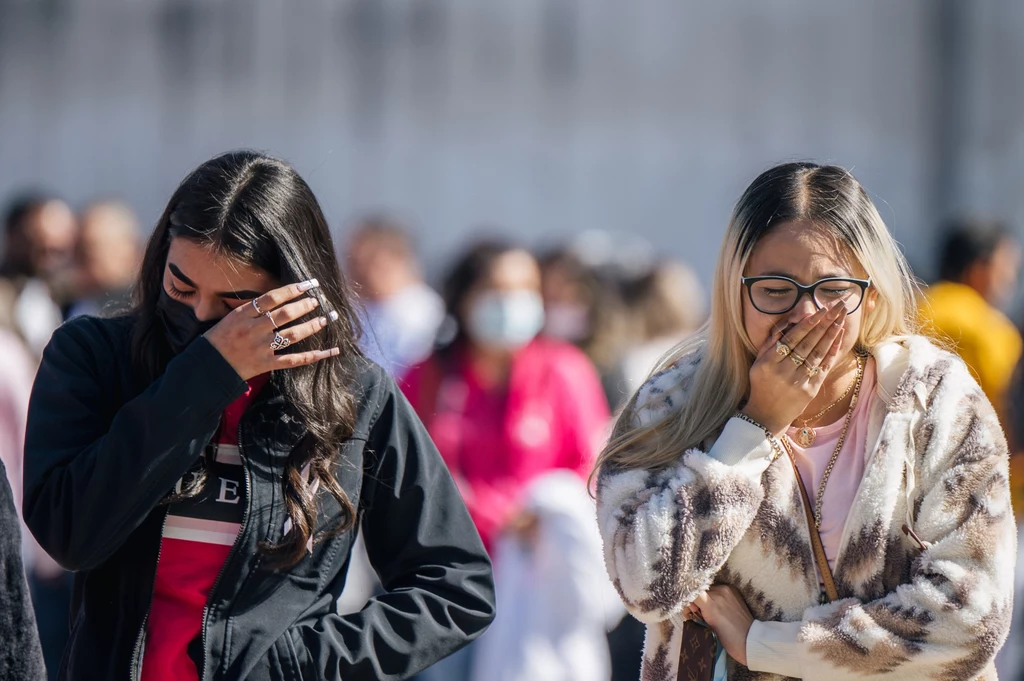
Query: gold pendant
806	436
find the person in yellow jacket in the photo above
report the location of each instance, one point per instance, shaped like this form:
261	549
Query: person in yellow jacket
978	270
977	275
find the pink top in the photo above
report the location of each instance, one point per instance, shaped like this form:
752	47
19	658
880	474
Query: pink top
849	468
552	414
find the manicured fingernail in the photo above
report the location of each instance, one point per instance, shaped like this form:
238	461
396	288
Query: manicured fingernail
334	315
323	322
335	352
308	284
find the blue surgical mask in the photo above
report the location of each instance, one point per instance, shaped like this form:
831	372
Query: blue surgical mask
507	320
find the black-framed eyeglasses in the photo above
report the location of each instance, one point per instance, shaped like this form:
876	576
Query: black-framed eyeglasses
779	295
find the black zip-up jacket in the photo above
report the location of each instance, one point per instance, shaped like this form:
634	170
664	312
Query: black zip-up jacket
102	451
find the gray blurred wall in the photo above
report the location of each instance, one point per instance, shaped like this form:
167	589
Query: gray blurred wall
539	117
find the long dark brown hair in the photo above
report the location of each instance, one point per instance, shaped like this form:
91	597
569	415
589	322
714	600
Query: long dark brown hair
257	211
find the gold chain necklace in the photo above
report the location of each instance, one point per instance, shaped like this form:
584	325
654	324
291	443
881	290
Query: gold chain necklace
839	445
806	434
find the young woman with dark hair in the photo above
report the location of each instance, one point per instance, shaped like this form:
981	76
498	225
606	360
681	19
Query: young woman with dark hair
204	462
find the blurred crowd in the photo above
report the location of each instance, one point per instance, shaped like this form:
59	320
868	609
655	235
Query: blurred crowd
515	359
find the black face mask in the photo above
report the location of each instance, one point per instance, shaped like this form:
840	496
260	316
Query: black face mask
181	326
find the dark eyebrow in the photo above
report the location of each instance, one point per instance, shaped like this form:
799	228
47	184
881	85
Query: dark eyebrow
231	295
180	275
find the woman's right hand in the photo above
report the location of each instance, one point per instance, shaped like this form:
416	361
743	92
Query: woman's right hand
244	336
780	389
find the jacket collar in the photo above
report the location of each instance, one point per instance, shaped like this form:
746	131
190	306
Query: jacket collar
894	358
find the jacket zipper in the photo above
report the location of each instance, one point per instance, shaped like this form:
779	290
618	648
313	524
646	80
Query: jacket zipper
234	547
136	672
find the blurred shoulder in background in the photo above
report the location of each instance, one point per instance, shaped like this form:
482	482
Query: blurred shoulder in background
402	313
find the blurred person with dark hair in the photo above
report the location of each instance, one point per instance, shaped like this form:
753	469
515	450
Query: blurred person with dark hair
39	240
503	404
978	269
584	309
402	313
204	462
666	305
108	255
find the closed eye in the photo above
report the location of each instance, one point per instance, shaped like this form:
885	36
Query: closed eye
178	293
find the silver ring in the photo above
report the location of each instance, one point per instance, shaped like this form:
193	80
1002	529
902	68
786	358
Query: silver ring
256	306
279	342
267	315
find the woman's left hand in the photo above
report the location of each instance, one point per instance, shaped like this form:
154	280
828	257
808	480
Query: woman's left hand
725	611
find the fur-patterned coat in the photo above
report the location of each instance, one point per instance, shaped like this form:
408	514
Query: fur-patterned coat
731	515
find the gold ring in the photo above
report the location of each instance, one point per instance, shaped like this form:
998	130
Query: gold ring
812	371
782	349
797	359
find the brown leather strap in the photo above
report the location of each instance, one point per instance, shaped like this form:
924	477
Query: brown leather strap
819	550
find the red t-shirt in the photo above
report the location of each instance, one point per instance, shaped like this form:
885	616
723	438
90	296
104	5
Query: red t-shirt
198	535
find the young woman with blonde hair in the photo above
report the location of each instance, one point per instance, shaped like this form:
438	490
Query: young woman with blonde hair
898	560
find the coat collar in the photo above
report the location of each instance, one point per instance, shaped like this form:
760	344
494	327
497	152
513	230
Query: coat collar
893	359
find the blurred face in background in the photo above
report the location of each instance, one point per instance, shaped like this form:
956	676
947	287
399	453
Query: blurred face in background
380	264
46	240
998	274
109	248
567	303
504	311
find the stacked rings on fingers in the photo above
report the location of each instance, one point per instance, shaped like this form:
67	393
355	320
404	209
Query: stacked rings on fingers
256	306
797	359
781	348
279	342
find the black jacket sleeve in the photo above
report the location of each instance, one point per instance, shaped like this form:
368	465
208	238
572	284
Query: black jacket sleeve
21	658
95	468
427	552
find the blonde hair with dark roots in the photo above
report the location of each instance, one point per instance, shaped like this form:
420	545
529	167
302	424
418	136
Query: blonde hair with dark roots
828	197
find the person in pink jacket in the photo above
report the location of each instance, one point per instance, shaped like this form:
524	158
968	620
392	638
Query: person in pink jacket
502	404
